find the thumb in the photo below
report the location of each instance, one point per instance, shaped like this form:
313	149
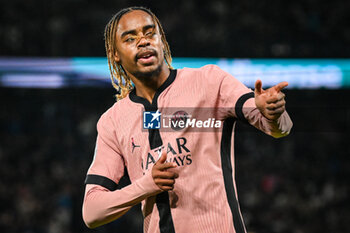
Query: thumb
162	159
258	89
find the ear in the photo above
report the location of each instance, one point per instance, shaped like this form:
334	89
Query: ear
116	57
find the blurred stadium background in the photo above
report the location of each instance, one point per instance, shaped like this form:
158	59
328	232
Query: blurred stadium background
54	86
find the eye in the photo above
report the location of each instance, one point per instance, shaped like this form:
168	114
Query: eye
150	33
130	39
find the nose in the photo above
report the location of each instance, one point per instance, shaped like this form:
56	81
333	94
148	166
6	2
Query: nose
143	42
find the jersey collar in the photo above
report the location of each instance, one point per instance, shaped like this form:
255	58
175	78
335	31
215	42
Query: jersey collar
154	106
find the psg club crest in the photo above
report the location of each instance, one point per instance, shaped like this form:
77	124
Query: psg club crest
179	120
151	120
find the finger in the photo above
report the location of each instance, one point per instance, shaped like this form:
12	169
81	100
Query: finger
166	188
258	87
166	175
277	111
164	182
275	98
280	86
165	166
165	185
272	99
276	105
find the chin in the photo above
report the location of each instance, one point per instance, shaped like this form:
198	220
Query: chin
149	71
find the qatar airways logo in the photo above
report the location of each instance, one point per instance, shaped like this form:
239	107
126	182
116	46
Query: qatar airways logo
179	120
178	151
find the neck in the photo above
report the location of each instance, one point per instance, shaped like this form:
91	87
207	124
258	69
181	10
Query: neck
147	85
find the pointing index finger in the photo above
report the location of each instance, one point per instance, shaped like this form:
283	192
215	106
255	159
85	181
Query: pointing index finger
280	86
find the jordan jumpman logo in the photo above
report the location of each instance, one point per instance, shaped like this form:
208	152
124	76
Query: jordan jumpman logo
133	145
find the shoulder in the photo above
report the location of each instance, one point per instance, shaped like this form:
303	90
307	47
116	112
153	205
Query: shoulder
204	70
111	116
208	72
205	75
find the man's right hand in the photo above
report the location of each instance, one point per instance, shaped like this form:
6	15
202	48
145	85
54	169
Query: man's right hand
164	178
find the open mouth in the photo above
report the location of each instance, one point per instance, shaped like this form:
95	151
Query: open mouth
146	56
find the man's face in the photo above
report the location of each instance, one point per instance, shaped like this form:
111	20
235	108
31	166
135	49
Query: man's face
139	44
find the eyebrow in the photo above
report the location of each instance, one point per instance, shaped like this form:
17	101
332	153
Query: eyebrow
144	28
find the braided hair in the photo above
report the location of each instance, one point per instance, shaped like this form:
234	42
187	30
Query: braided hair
120	80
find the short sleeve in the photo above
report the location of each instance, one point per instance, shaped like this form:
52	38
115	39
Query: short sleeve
236	100
231	93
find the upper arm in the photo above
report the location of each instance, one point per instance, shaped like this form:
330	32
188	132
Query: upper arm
230	92
107	166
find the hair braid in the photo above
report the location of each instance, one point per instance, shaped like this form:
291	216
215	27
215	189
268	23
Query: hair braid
120	80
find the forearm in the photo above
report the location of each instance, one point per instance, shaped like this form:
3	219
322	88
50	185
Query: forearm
276	128
102	206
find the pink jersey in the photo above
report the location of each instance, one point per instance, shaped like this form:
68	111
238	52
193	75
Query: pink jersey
204	198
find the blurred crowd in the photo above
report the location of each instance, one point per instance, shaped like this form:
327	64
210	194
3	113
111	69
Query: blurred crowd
194	28
296	184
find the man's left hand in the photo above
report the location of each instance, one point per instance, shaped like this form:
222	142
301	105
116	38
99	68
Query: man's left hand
270	102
